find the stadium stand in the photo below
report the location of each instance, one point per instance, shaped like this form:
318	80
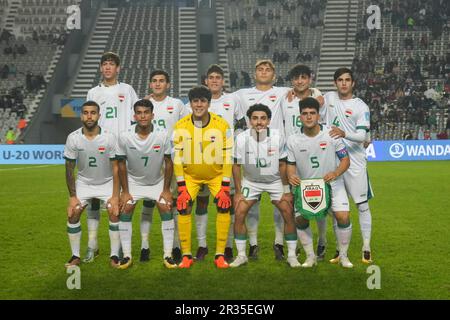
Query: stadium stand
145	36
32	39
287	32
403	70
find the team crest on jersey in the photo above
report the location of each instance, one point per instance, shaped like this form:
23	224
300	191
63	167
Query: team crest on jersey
170	109
121	97
348	113
273	98
313	196
323	145
226	106
101	150
156	147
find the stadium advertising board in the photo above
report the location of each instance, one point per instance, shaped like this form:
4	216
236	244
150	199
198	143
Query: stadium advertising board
409	150
396	150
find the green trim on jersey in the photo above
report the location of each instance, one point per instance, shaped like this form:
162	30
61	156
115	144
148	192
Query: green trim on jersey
362	127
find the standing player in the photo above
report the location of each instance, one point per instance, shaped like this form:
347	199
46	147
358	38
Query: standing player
203	143
93	150
313	153
227	107
167	111
116	101
146	151
350	119
262	154
300	76
264	93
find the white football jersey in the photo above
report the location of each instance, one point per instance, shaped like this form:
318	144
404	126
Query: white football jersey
350	115
167	112
93	157
316	156
291	113
260	160
227	107
116	105
271	98
145	157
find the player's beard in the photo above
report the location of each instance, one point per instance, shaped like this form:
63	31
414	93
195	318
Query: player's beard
90	127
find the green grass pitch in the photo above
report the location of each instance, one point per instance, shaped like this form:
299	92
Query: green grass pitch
411	219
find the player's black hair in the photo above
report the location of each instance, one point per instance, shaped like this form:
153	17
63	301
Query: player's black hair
90	103
339	72
143	103
215	68
259	107
199	92
298	70
110	56
309	102
160	72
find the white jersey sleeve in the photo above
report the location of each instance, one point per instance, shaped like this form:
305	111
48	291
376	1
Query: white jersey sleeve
70	150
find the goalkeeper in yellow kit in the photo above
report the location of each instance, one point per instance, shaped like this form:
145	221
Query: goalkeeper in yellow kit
203	145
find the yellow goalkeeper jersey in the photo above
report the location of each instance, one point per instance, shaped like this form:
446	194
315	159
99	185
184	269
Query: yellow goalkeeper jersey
203	153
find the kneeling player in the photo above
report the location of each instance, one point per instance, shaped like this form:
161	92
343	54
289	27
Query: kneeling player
312	153
262	154
93	151
146	152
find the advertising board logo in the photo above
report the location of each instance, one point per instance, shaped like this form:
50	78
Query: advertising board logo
397	150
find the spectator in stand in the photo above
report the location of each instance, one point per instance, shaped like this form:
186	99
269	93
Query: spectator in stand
443	135
427	135
10	136
22	124
407	135
233	79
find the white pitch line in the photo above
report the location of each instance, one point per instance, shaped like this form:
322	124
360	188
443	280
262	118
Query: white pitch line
23	168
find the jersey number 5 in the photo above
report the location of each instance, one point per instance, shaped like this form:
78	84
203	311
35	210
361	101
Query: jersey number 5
315	163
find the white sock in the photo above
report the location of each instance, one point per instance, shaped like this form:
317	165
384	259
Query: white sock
306	240
146	222
114	238
230	233
345	235
322	228
292	247
126	231
93	220
201	223
279	226
167	228
365	223
74	232
252	224
176	237
240	246
336	235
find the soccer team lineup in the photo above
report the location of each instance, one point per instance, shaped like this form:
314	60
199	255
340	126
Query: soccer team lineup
302	148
